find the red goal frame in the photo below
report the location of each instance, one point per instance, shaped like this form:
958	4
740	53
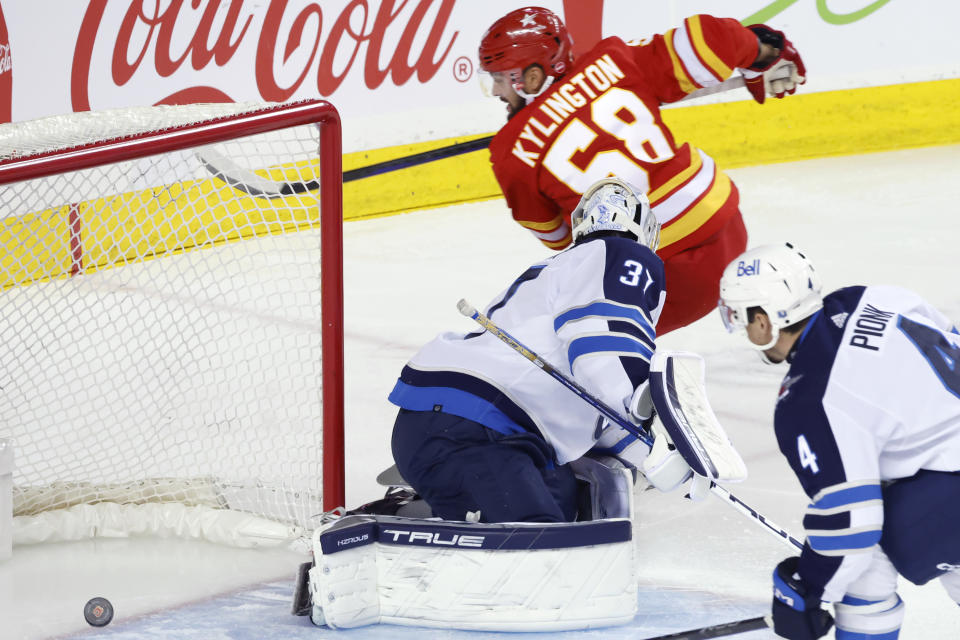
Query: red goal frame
219	129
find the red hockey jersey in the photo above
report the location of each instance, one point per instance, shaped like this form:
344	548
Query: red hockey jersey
603	118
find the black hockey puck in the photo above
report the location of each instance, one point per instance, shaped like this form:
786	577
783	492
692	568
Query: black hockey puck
98	612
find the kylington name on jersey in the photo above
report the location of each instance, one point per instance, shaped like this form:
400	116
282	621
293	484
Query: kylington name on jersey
593	81
871	323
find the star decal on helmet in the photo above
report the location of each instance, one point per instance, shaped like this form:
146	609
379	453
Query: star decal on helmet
529	20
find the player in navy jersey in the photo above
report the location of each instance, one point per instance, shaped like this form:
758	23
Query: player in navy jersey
868	417
484	435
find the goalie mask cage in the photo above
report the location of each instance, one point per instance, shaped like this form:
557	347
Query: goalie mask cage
171	341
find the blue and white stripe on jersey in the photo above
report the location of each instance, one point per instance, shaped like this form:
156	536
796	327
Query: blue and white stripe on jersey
462	395
634	339
872	395
845	518
589	311
611	310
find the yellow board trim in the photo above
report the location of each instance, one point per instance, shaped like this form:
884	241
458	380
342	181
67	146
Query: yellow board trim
717	66
137	226
36	246
735	134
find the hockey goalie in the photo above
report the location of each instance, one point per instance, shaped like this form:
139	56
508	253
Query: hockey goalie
521	477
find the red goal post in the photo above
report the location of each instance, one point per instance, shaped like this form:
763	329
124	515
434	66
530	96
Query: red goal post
160	318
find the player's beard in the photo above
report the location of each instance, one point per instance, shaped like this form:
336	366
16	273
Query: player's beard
512	109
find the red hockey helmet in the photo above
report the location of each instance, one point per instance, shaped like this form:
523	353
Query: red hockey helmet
524	37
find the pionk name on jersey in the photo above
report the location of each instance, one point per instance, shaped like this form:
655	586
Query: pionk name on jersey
871	322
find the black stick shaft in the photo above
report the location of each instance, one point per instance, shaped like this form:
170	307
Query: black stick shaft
417	159
717	630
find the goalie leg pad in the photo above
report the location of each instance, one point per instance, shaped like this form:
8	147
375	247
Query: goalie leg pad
458	575
610	484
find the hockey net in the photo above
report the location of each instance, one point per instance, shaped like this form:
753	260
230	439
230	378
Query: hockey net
171	339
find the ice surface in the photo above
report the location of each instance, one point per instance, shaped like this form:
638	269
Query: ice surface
883	218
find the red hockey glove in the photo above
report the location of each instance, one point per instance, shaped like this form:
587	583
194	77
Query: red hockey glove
780	76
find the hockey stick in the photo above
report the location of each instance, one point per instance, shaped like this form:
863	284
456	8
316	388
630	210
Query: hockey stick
718	630
471	312
256	185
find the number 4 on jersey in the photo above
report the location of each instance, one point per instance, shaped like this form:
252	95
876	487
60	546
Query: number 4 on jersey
807	457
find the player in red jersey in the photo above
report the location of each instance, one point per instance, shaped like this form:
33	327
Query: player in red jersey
572	122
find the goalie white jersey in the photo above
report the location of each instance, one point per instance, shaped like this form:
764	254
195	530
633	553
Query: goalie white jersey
590	311
872	394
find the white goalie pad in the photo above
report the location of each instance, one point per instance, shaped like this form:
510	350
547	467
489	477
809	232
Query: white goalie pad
610	486
472	576
677	384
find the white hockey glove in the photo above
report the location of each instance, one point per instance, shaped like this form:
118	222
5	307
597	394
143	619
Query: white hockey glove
616	442
666	469
640	404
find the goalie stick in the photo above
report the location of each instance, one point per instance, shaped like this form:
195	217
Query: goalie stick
719	630
471	312
256	185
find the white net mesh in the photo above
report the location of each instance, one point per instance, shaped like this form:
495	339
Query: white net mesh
161	329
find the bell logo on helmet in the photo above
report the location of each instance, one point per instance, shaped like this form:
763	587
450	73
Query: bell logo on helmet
748	269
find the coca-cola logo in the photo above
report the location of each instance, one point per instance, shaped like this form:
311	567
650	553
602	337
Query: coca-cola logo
395	38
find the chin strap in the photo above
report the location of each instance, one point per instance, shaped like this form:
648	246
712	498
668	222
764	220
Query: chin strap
530	97
775	331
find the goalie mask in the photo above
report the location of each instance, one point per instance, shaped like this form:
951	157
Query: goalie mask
777	278
613	205
526	37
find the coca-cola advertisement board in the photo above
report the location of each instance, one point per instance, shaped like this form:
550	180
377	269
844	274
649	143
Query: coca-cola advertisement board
399	70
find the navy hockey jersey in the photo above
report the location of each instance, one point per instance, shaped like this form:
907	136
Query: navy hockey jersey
590	311
872	394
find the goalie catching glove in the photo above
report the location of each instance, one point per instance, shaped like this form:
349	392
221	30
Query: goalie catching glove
781	75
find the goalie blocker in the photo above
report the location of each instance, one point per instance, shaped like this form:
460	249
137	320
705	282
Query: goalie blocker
371	569
678	390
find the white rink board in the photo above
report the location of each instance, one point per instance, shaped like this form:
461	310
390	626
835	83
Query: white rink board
881	218
100	55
